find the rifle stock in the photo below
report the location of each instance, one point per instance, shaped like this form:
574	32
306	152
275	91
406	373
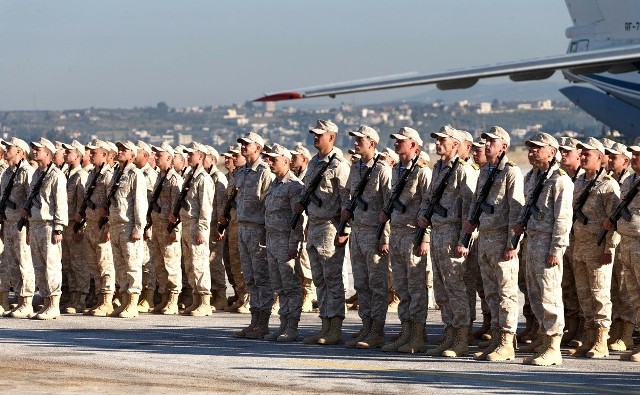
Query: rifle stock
32	196
394	203
309	194
621	211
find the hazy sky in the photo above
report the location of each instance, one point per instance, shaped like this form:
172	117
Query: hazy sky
77	54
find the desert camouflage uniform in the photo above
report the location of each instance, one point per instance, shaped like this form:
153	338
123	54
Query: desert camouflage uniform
569	293
9	273
216	265
629	252
74	251
231	239
148	263
621	306
303	265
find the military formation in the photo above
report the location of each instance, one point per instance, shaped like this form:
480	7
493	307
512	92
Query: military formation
121	229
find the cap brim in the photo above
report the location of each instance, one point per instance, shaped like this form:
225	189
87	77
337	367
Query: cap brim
317	131
610	151
536	143
356	134
567	148
491	136
435	135
398	136
633	148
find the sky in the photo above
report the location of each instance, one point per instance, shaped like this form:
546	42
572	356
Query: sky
65	54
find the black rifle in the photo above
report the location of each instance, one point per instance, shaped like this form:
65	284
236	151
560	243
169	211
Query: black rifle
434	205
622	211
153	203
5	202
531	206
181	201
356	200
112	193
481	202
86	202
309	194
32	197
578	215
228	206
394	201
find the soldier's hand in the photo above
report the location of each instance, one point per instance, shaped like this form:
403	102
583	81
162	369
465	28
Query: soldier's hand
173	237
607	224
293	254
341	240
106	236
199	239
55	239
552	260
422	249
422	222
518	229
462	251
135	236
383	218
298	208
172	218
217	235
147	235
222	220
345	215
383	249
605	259
509	254
78	217
468	227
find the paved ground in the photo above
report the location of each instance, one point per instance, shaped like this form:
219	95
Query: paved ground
157	354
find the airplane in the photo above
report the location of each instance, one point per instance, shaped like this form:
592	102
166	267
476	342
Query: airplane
604	52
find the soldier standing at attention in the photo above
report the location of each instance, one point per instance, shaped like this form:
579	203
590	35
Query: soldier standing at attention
497	258
9	275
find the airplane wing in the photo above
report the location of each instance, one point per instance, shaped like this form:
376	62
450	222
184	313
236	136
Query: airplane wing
613	60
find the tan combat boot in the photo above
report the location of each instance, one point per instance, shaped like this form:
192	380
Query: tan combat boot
45	305
505	350
77	304
244	305
625	340
172	305
71	303
123	298
291	332
530	332
537	345
484	328
600	348
632	356
403	337
326	325
334	336
394	301
586	345
219	300
24	309
445	342
460	346
375	339
416	343
283	326
4	302
131	309
204	307
276	305
262	327
52	311
571	325
362	334
157	309
254	321
615	331
145	303
551	355
493	344
195	302
105	307
582	335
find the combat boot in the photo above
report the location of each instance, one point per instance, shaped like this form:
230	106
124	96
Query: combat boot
484	328
91	305
262	327
537	345
204	307
77	304
493	344
145	303
416	343
490	339
551	355
625	340
244	306
615	331
131	309
581	335
326	325
195	302
24	309
334	335
276	305
157	309
70	303
45	305
254	321
444	343
219	300
505	350
105	307
52	311
600	348
632	356
4	302
291	332
172	305
460	346
375	338
586	345
394	301
530	332
123	298
283	326
570	329
403	337
362	334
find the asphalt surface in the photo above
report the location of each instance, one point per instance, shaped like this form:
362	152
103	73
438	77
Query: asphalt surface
176	354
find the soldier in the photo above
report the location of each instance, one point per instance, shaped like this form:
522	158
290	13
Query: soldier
195	214
595	195
99	252
17	253
113	153
127	218
446	225
252	182
165	245
180	161
283	243
326	258
497	258
407	259
367	252
47	215
547	228
74	245
465	147
9	274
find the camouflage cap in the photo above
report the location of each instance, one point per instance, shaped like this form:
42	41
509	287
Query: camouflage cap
407	133
144	146
301	150
568	143
618	149
235	149
368	132
541	140
252	137
59	145
497	132
425	156
607	143
467	136
113	147
448	131
591	144
127	145
212	152
164	147
389	153
75	145
323	126
17	143
195	146
277	150
44	143
480	143
96	143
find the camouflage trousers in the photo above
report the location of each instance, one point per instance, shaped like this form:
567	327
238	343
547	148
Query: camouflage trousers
409	274
17	253
327	263
216	265
284	279
148	267
9	272
234	258
255	268
621	307
473	282
196	257
47	258
127	258
544	284
369	273
303	268
166	253
593	282
74	260
569	291
100	259
449	288
522	277
500	280
629	256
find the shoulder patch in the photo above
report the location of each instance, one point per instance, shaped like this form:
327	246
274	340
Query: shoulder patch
561	172
475	166
511	163
463	162
608	177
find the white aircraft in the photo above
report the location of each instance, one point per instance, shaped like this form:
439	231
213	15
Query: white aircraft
604	51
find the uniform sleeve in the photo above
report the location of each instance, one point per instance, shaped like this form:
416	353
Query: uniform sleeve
611	199
467	187
296	237
221	191
515	197
424	182
342	177
174	195
81	188
563	213
346	202
61	209
140	202
385	186
205	193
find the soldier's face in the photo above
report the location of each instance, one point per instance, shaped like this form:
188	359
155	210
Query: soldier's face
97	156
40	153
446	146
590	159
228	163
635	161
163	160
178	162
570	157
71	156
464	149
11	153
479	155
58	157
239	160
249	150
324	141
617	163
208	161
404	147
363	145
195	158
297	161
279	165
494	147
125	155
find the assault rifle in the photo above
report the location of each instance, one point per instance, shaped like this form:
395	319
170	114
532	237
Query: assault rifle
32	197
86	202
356	200
394	201
112	193
228	206
153	203
181	201
622	211
532	206
309	194
5	202
582	199
481	205
434	203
